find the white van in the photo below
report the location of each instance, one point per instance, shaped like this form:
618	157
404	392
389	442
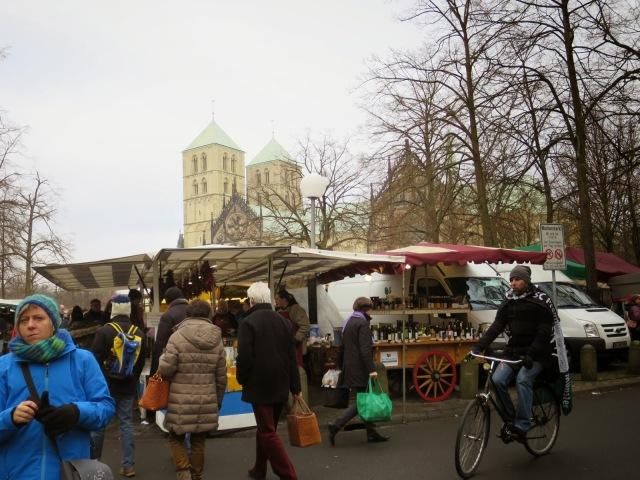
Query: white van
479	284
582	320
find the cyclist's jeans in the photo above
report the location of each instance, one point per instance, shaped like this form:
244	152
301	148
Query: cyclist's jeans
524	387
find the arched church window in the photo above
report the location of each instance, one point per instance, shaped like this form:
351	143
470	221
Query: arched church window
204	162
204	185
258	178
266	177
195	187
233	163
224	161
194	164
226	186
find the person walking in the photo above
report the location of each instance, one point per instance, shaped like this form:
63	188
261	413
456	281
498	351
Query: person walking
357	367
194	362
527	315
123	389
36	434
176	312
266	368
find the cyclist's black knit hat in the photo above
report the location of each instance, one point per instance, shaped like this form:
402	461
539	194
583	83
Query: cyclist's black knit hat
522	272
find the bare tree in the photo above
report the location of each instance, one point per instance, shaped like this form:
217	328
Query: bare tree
39	242
343	211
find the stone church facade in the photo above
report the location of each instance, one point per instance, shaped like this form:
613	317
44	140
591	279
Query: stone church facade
221	204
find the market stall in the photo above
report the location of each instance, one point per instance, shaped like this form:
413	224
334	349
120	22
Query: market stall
433	357
204	268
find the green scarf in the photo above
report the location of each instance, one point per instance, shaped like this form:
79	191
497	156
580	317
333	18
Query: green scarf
42	351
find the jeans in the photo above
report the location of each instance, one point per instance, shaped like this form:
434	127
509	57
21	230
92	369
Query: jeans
124	412
525	377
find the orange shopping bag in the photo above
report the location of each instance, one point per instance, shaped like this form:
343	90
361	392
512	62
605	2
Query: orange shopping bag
304	430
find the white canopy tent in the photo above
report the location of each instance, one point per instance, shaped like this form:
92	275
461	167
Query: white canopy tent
233	265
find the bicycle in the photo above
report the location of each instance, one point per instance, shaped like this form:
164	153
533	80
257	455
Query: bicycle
473	430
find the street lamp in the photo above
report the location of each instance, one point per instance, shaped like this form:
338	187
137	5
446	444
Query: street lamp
313	186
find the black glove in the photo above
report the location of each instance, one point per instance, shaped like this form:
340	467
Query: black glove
57	420
476	350
527	362
44	407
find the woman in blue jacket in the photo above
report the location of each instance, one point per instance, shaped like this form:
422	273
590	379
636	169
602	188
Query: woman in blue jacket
37	433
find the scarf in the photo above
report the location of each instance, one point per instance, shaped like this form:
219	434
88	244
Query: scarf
42	351
564	390
357	314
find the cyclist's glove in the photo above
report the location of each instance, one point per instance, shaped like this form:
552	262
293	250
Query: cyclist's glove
476	350
527	362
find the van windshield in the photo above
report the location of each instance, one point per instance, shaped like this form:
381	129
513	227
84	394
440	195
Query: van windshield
482	293
568	295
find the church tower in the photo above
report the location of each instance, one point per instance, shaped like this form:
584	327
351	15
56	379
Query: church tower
212	170
273	178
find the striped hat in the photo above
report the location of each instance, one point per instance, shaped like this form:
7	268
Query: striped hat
48	304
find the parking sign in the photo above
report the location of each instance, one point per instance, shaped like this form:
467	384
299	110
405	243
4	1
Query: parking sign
552	243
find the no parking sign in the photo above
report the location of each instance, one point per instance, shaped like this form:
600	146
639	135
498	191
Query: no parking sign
552	243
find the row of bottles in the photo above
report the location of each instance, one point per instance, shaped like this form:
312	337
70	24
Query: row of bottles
418	302
452	331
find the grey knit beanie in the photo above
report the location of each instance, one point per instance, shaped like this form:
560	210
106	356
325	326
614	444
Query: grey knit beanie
522	272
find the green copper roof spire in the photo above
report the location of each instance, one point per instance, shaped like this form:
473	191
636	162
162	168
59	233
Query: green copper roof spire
270	152
213	134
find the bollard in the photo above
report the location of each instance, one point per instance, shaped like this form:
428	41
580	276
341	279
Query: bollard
588	363
633	366
383	378
468	379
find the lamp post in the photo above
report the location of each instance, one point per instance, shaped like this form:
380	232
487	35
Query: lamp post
313	186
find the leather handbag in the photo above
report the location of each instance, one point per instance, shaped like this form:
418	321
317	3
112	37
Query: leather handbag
156	393
302	423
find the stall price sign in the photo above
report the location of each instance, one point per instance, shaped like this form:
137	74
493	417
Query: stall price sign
552	242
389	359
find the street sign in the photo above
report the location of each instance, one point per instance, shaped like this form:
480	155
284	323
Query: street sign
552	243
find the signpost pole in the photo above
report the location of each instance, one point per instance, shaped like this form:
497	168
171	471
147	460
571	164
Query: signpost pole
552	244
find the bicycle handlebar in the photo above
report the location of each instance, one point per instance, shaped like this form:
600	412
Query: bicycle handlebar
478	355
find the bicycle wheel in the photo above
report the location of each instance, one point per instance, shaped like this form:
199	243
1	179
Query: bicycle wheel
545	423
472	437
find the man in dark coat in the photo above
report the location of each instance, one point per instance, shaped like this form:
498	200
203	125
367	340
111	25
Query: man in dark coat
530	322
357	366
267	370
122	390
176	312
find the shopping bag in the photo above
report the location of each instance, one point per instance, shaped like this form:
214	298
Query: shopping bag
156	394
374	405
302	423
337	397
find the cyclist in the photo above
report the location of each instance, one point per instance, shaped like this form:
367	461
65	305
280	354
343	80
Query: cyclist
528	320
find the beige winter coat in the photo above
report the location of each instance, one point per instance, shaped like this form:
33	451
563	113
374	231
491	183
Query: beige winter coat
195	363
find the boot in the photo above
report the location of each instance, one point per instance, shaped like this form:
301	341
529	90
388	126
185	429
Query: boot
374	436
183	474
333	431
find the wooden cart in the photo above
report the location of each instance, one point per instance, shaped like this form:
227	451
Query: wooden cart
433	362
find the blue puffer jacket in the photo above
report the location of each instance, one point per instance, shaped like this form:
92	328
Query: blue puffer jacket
74	377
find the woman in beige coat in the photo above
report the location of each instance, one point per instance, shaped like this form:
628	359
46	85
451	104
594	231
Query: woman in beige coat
194	362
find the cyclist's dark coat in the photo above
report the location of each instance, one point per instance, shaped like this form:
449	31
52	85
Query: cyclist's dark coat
529	322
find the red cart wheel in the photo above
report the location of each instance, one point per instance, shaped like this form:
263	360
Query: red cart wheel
434	376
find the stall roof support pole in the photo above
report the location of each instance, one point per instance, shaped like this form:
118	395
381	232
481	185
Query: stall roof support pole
156	287
404	353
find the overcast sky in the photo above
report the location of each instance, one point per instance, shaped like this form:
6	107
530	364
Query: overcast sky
113	91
